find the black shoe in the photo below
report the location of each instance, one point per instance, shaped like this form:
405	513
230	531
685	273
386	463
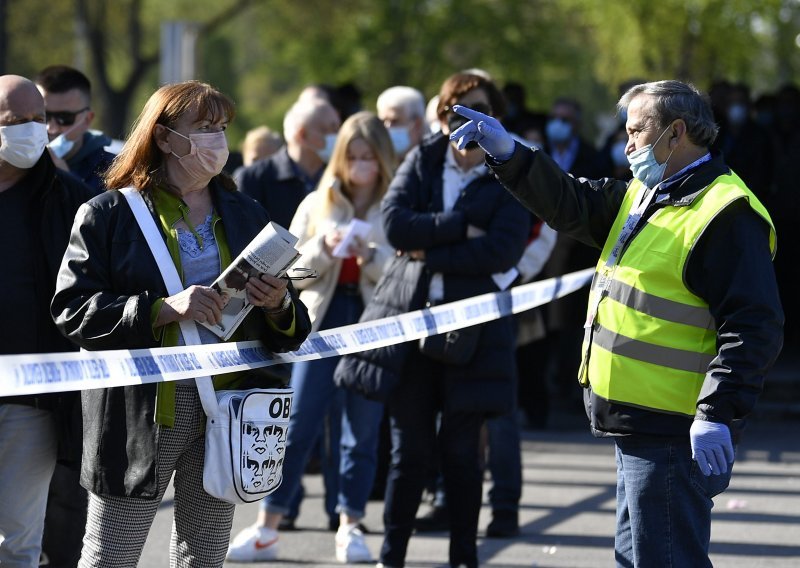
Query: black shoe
505	524
435	520
287	524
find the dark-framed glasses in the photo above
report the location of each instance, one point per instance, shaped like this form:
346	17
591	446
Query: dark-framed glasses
301	273
64	117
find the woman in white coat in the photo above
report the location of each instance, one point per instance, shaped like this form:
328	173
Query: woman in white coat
349	192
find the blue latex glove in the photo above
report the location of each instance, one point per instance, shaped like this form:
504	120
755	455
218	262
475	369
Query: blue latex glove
486	131
712	448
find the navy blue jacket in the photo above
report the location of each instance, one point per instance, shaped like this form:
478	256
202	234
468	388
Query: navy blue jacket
92	160
413	220
276	184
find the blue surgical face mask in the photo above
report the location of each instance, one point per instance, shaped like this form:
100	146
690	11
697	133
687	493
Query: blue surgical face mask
61	145
737	114
326	152
644	165
401	139
618	155
558	130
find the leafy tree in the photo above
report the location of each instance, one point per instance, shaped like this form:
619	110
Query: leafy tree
263	53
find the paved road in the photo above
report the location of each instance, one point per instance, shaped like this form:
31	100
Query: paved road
567	512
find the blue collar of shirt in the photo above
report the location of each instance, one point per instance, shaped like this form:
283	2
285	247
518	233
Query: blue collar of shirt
566	159
677	175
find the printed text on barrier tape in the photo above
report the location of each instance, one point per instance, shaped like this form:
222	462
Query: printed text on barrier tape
57	372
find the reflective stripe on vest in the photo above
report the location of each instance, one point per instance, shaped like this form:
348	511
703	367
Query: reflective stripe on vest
653	339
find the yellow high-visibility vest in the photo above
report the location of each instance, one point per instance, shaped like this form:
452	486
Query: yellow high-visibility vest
652	339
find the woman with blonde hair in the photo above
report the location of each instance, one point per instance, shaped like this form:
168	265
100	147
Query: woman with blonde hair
110	295
351	187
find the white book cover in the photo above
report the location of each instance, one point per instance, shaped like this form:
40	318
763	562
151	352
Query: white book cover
272	252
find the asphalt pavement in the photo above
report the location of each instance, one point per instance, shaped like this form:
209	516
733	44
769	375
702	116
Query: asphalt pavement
567	508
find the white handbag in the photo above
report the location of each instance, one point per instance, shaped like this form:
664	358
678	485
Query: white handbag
246	429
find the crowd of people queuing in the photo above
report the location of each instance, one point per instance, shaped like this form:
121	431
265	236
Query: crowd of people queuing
446	195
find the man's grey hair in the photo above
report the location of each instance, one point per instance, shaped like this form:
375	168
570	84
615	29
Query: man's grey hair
400	96
673	100
302	113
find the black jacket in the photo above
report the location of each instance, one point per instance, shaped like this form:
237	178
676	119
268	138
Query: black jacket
730	269
92	160
56	198
413	220
106	287
275	184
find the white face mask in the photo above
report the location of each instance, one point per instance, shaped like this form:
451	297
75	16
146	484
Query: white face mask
21	145
363	172
326	152
401	139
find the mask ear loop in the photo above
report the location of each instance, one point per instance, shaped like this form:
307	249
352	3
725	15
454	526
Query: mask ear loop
672	150
191	144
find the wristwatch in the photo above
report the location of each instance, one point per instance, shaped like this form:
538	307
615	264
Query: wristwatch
287	301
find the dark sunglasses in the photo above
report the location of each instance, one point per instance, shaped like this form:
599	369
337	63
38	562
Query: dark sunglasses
64	117
300	273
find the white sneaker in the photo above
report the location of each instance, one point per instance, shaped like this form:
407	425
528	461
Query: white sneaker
254	544
350	545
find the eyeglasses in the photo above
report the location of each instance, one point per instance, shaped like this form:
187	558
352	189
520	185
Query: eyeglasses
64	117
301	273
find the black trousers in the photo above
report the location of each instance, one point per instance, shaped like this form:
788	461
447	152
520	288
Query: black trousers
413	408
65	520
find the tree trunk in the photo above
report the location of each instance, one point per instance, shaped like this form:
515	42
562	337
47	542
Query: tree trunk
3	37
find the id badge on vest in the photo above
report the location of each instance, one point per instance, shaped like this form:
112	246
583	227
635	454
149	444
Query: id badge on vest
605	275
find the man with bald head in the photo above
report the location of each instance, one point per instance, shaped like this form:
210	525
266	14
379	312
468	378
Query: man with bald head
281	181
39	203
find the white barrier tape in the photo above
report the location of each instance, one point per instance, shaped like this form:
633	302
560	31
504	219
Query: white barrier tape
58	372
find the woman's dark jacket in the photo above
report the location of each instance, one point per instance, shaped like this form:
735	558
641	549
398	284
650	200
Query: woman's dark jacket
413	220
106	286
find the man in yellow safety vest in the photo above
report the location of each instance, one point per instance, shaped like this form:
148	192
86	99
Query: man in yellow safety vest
684	319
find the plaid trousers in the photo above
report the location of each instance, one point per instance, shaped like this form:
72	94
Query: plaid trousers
117	527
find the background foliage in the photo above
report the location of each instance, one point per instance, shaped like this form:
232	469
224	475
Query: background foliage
263	52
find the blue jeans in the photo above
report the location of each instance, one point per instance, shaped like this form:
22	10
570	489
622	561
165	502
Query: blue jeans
315	392
327	446
505	463
413	409
27	458
663	504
